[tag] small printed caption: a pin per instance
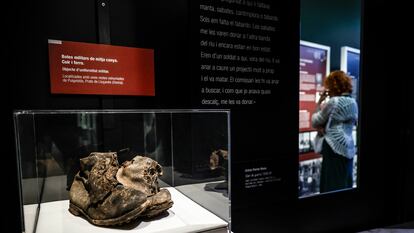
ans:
(258, 177)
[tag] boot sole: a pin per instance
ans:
(156, 210)
(126, 218)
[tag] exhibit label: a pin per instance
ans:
(97, 69)
(314, 66)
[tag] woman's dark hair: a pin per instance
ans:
(338, 82)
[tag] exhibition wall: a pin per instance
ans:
(173, 31)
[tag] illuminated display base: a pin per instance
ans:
(184, 216)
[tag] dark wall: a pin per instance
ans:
(332, 23)
(398, 93)
(36, 23)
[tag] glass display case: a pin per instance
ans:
(72, 166)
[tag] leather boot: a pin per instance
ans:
(99, 197)
(141, 173)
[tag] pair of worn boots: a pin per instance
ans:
(107, 193)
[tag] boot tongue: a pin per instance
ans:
(101, 178)
(87, 163)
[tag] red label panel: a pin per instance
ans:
(97, 69)
(313, 63)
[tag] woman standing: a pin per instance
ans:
(336, 119)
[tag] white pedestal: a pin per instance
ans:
(184, 216)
